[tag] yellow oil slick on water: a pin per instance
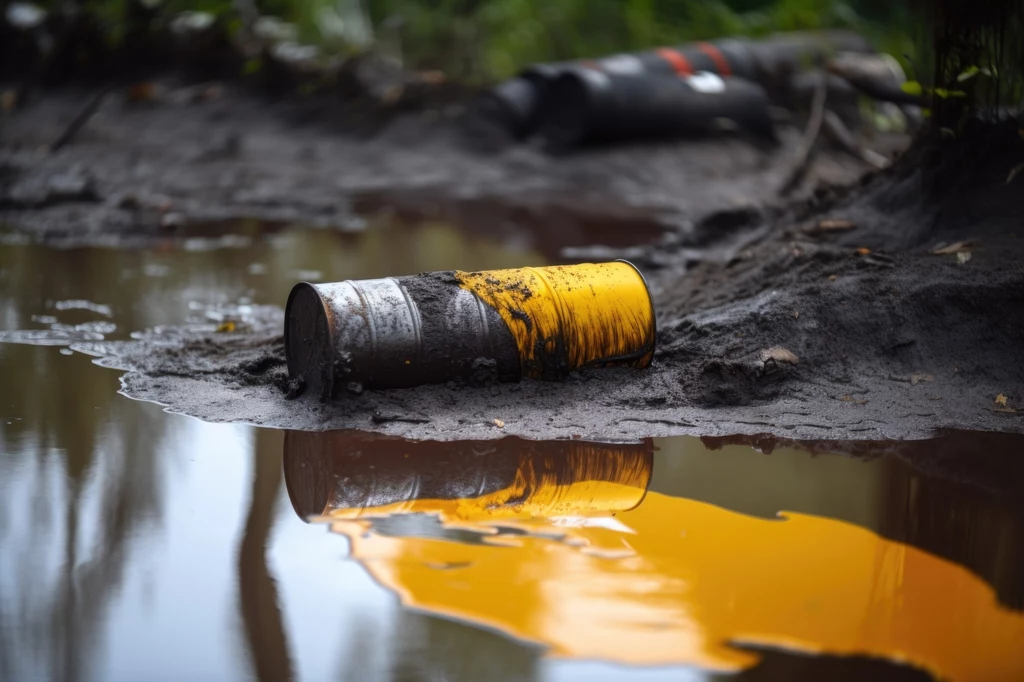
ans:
(690, 577)
(567, 317)
(502, 506)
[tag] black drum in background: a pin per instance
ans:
(516, 104)
(585, 106)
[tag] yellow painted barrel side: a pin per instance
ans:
(567, 317)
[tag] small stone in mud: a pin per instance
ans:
(294, 388)
(779, 354)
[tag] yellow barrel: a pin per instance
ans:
(442, 326)
(568, 317)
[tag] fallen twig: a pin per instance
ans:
(805, 150)
(80, 120)
(871, 75)
(841, 135)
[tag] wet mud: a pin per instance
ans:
(888, 349)
(145, 169)
(865, 306)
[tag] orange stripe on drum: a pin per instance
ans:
(721, 63)
(677, 60)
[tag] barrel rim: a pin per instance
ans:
(650, 300)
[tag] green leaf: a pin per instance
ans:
(252, 66)
(968, 74)
(912, 88)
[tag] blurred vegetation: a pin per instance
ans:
(485, 40)
(964, 55)
(488, 39)
(977, 59)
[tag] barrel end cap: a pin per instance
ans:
(308, 344)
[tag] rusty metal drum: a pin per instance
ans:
(499, 325)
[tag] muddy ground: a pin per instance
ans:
(824, 315)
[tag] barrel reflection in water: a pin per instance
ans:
(565, 549)
(353, 474)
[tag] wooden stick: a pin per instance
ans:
(805, 150)
(841, 135)
(80, 120)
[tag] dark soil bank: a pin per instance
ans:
(144, 169)
(828, 317)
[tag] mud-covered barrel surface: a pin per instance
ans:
(357, 474)
(496, 325)
(566, 318)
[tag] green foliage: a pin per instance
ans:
(485, 40)
(490, 39)
(978, 50)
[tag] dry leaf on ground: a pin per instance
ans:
(948, 249)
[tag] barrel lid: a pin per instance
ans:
(308, 346)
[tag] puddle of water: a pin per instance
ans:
(136, 544)
(573, 551)
(552, 229)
